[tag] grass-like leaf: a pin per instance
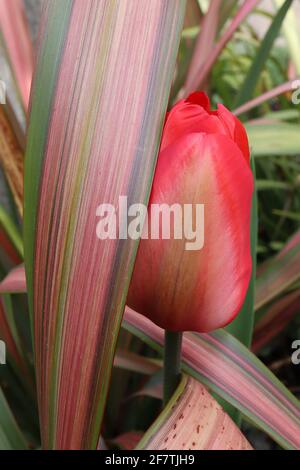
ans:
(228, 368)
(11, 437)
(248, 87)
(201, 74)
(273, 139)
(275, 319)
(99, 97)
(278, 273)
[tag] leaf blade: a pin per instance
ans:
(248, 87)
(106, 115)
(193, 420)
(214, 359)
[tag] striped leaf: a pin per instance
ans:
(275, 319)
(134, 362)
(14, 28)
(99, 97)
(193, 420)
(235, 374)
(201, 74)
(14, 282)
(273, 139)
(221, 362)
(205, 41)
(278, 273)
(268, 95)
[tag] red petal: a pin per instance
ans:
(235, 130)
(187, 117)
(198, 290)
(200, 98)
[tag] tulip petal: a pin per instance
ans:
(190, 116)
(195, 115)
(235, 129)
(200, 98)
(198, 290)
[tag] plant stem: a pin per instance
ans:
(172, 362)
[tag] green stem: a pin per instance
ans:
(172, 363)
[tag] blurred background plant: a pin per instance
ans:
(246, 55)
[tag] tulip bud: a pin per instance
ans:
(204, 159)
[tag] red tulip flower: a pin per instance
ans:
(204, 159)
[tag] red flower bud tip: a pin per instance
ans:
(204, 159)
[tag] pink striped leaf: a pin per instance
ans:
(100, 92)
(269, 95)
(14, 28)
(193, 420)
(14, 282)
(275, 319)
(205, 41)
(202, 72)
(215, 359)
(278, 273)
(135, 363)
(227, 367)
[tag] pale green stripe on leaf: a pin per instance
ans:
(273, 139)
(48, 63)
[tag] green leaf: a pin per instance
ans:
(266, 185)
(287, 214)
(277, 274)
(242, 325)
(273, 139)
(247, 90)
(11, 437)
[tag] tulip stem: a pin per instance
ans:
(172, 363)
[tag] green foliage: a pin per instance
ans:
(252, 63)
